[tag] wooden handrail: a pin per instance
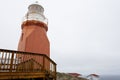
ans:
(19, 52)
(19, 61)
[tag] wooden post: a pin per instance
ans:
(11, 63)
(54, 71)
(2, 53)
(43, 63)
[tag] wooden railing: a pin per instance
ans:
(17, 61)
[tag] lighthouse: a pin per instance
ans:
(34, 31)
(32, 60)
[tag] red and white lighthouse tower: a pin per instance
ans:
(34, 31)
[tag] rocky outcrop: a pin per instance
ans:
(65, 76)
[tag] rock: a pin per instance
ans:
(65, 76)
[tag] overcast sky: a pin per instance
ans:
(84, 34)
